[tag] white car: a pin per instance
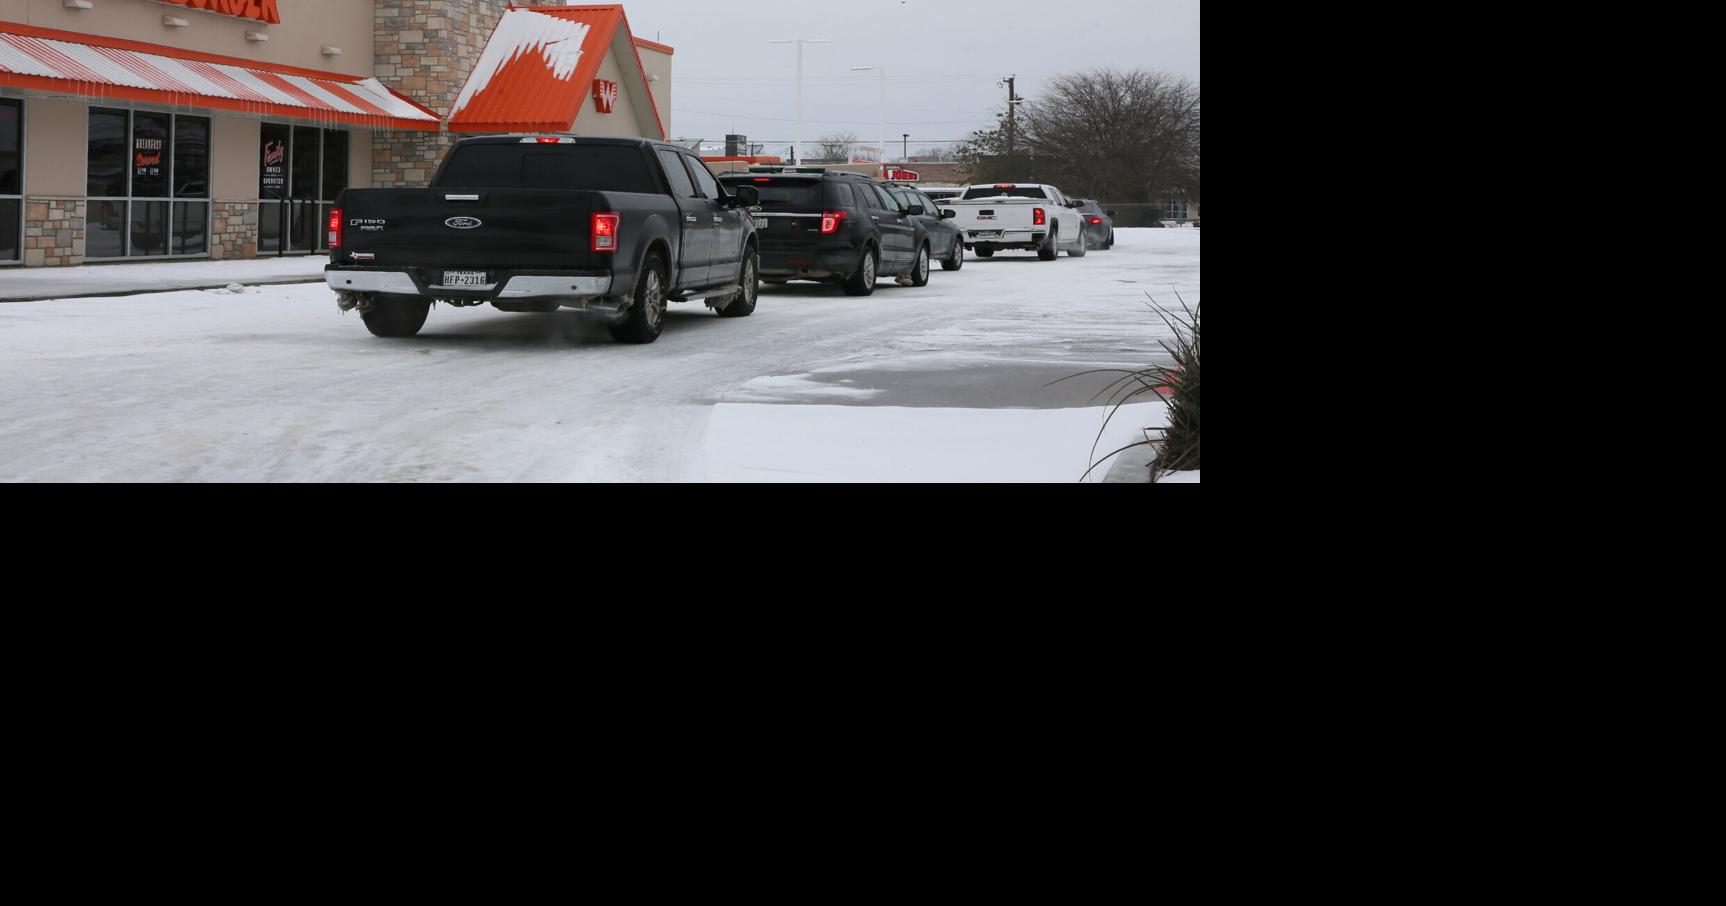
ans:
(1025, 216)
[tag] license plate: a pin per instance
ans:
(986, 234)
(761, 223)
(465, 278)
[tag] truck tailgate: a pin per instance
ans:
(469, 228)
(997, 214)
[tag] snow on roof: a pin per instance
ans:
(525, 33)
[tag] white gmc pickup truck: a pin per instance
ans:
(1026, 216)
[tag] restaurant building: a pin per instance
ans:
(170, 129)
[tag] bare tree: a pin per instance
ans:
(1118, 136)
(940, 155)
(832, 148)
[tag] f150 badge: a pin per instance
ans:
(463, 223)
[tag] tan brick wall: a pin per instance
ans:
(425, 49)
(53, 232)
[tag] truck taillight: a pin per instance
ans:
(605, 232)
(1039, 217)
(830, 221)
(335, 228)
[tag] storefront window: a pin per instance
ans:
(138, 160)
(11, 180)
(303, 169)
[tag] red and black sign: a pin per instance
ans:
(900, 174)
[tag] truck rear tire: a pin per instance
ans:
(862, 280)
(749, 286)
(1051, 249)
(396, 317)
(646, 315)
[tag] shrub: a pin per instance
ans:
(1178, 447)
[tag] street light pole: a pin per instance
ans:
(798, 148)
(905, 152)
(883, 71)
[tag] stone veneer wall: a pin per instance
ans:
(53, 232)
(425, 49)
(233, 230)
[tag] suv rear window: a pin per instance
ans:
(780, 193)
(606, 168)
(987, 192)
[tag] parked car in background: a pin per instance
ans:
(615, 227)
(832, 227)
(1099, 224)
(941, 194)
(946, 242)
(1024, 216)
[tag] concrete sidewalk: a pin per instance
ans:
(19, 284)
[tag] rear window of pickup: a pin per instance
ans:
(604, 168)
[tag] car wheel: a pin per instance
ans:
(958, 258)
(396, 316)
(1084, 246)
(1111, 243)
(748, 288)
(984, 251)
(646, 315)
(1052, 248)
(920, 270)
(862, 280)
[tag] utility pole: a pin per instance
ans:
(797, 148)
(905, 153)
(1013, 100)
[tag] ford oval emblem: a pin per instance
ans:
(463, 223)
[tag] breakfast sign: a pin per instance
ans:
(261, 10)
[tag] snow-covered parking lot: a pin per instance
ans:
(941, 384)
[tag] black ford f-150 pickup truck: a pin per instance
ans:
(617, 227)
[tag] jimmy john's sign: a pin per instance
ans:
(261, 10)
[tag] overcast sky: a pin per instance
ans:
(943, 60)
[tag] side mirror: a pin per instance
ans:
(746, 196)
(1110, 213)
(916, 210)
(949, 215)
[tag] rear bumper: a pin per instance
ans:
(1007, 239)
(813, 264)
(506, 285)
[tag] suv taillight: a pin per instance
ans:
(1039, 217)
(335, 228)
(830, 221)
(605, 232)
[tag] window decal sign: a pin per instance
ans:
(261, 10)
(604, 95)
(275, 168)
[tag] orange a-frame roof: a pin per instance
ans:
(536, 70)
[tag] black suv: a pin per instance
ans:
(833, 227)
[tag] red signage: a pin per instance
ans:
(604, 95)
(261, 10)
(898, 174)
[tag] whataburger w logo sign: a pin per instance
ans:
(604, 95)
(261, 10)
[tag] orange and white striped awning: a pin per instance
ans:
(67, 63)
